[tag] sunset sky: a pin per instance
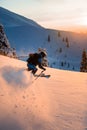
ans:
(55, 14)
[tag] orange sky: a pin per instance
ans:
(68, 15)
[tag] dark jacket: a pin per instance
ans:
(36, 59)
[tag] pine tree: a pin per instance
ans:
(5, 48)
(59, 35)
(62, 63)
(67, 42)
(3, 40)
(60, 50)
(83, 67)
(67, 45)
(48, 38)
(67, 39)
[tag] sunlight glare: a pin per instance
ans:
(84, 21)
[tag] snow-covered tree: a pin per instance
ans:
(45, 61)
(5, 48)
(83, 67)
(3, 40)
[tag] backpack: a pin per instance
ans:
(31, 54)
(33, 58)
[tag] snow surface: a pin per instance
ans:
(57, 103)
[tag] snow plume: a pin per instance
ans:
(10, 124)
(14, 76)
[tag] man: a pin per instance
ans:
(34, 60)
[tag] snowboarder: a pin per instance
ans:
(34, 60)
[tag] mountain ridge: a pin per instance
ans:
(27, 38)
(15, 17)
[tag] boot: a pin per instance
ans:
(34, 71)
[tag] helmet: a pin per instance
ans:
(43, 54)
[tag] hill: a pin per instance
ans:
(9, 18)
(57, 103)
(27, 36)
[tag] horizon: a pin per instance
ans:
(65, 15)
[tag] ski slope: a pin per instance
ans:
(57, 103)
(27, 36)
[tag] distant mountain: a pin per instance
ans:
(64, 48)
(8, 18)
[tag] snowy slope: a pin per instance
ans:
(23, 33)
(8, 18)
(57, 103)
(27, 36)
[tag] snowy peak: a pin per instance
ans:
(9, 18)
